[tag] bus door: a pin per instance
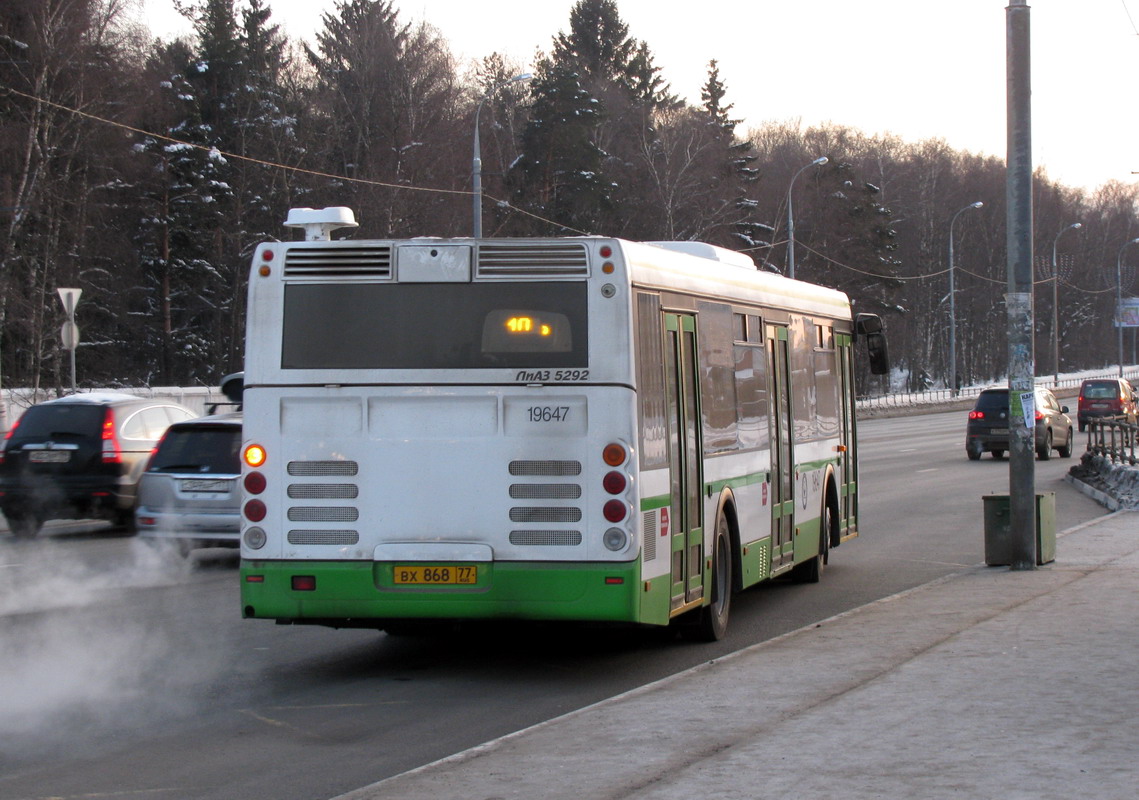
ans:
(685, 464)
(848, 458)
(782, 451)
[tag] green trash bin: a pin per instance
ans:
(998, 536)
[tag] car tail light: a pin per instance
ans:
(976, 415)
(1039, 415)
(7, 436)
(112, 453)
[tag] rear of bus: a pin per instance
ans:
(439, 429)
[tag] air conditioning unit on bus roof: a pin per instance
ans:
(705, 250)
(319, 223)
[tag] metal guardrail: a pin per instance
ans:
(934, 397)
(1114, 438)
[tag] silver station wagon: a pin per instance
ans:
(190, 493)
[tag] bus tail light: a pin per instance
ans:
(614, 482)
(304, 583)
(255, 538)
(615, 539)
(255, 511)
(614, 454)
(254, 455)
(615, 510)
(255, 483)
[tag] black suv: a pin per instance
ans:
(80, 457)
(988, 428)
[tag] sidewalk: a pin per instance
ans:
(984, 684)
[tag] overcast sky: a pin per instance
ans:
(915, 68)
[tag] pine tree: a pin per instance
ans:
(558, 177)
(387, 101)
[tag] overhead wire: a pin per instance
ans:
(499, 202)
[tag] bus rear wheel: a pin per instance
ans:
(711, 621)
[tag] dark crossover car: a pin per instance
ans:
(988, 428)
(190, 496)
(1106, 397)
(80, 457)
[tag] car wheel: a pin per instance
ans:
(974, 451)
(1045, 452)
(1066, 450)
(23, 524)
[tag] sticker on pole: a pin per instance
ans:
(1028, 408)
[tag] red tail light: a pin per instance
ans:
(7, 436)
(1039, 415)
(112, 453)
(976, 415)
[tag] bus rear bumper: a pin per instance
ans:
(364, 594)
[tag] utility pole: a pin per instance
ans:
(1018, 301)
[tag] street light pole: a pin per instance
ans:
(476, 163)
(953, 303)
(818, 162)
(1056, 306)
(1119, 300)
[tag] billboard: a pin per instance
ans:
(1127, 315)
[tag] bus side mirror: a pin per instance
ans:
(232, 386)
(870, 326)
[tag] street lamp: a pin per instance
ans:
(1119, 300)
(1055, 306)
(953, 304)
(476, 164)
(818, 162)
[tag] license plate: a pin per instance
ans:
(999, 431)
(49, 456)
(422, 575)
(200, 485)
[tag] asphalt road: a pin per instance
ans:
(131, 674)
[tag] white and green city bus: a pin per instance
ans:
(538, 429)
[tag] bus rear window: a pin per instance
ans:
(435, 326)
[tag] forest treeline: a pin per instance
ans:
(145, 172)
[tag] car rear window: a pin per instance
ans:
(199, 449)
(992, 401)
(63, 420)
(1101, 389)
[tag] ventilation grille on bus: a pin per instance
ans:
(546, 538)
(545, 491)
(324, 537)
(551, 259)
(650, 530)
(545, 468)
(315, 468)
(323, 491)
(358, 262)
(323, 514)
(553, 514)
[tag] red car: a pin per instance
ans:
(1106, 397)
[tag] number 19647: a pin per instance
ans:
(549, 413)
